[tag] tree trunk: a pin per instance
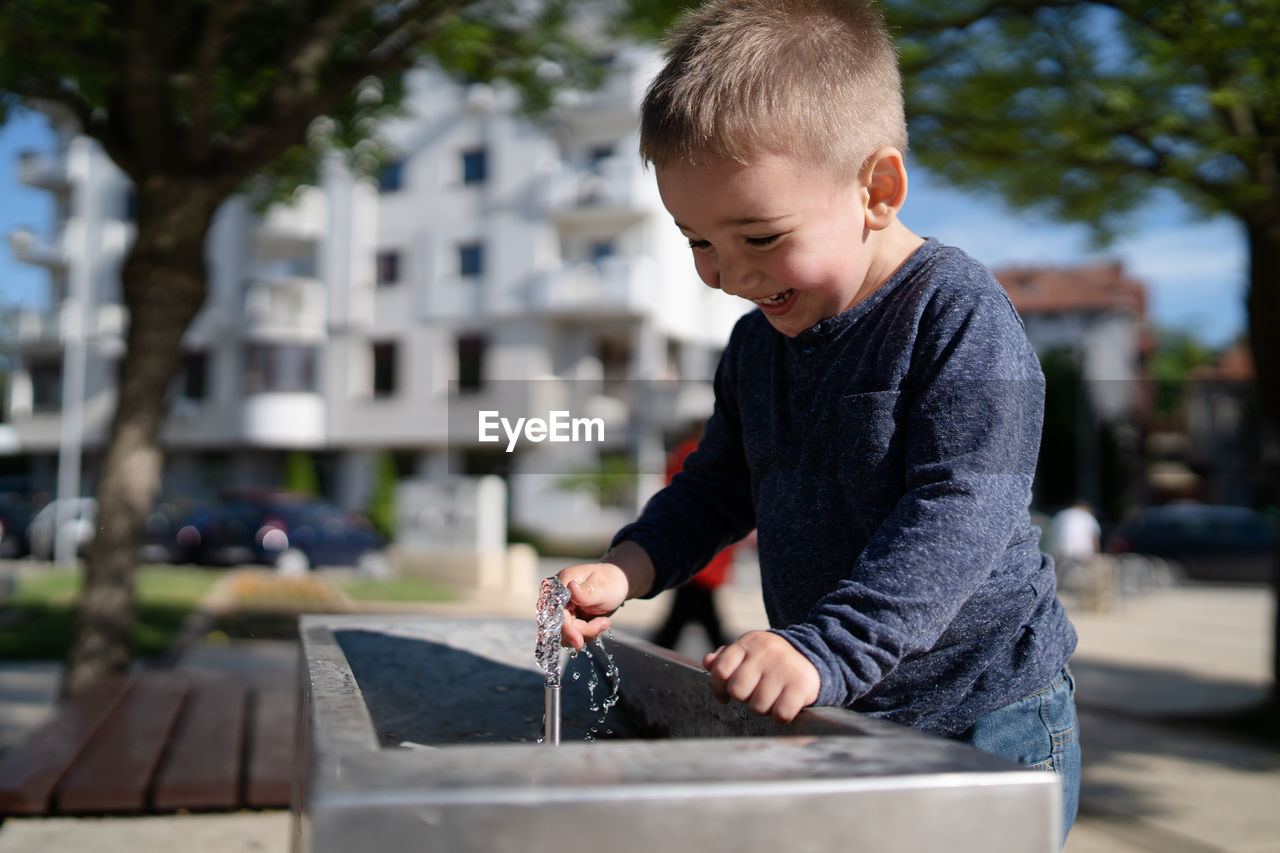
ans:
(1264, 340)
(163, 284)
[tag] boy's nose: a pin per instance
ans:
(736, 277)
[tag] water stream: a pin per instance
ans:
(604, 679)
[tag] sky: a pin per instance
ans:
(1195, 270)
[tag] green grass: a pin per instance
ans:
(396, 589)
(37, 621)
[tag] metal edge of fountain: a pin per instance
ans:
(827, 777)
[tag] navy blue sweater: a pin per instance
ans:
(885, 457)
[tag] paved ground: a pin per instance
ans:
(1149, 784)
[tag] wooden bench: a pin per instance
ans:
(156, 741)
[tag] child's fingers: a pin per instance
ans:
(576, 633)
(787, 706)
(709, 659)
(744, 684)
(727, 661)
(571, 634)
(577, 593)
(596, 627)
(769, 690)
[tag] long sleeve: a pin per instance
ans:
(707, 506)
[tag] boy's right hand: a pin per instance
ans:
(598, 589)
(595, 591)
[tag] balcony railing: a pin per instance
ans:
(609, 189)
(44, 170)
(284, 419)
(303, 219)
(292, 307)
(609, 286)
(35, 328)
(27, 248)
(38, 327)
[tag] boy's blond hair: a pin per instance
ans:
(816, 79)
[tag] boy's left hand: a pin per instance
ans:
(766, 672)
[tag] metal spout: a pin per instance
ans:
(551, 718)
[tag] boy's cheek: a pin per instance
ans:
(708, 273)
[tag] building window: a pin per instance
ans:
(280, 368)
(598, 153)
(475, 166)
(471, 260)
(194, 379)
(283, 269)
(384, 369)
(388, 267)
(471, 352)
(615, 357)
(46, 383)
(391, 177)
(601, 249)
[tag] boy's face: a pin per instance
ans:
(786, 236)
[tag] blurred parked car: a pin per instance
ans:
(1209, 542)
(175, 532)
(75, 524)
(291, 533)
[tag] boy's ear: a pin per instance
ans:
(885, 178)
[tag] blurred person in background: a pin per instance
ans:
(1076, 539)
(695, 602)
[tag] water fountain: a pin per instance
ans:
(422, 733)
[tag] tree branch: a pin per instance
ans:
(143, 88)
(49, 89)
(256, 145)
(203, 95)
(301, 65)
(287, 111)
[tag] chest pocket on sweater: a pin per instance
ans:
(869, 453)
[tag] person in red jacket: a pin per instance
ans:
(695, 601)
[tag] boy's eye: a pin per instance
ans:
(698, 244)
(762, 241)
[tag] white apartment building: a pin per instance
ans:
(495, 255)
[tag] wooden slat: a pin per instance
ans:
(30, 770)
(271, 749)
(114, 771)
(201, 768)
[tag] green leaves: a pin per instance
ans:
(1082, 109)
(499, 40)
(225, 89)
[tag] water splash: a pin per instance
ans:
(551, 601)
(606, 672)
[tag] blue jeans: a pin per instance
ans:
(1038, 731)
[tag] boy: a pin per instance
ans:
(877, 418)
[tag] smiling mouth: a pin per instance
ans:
(776, 299)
